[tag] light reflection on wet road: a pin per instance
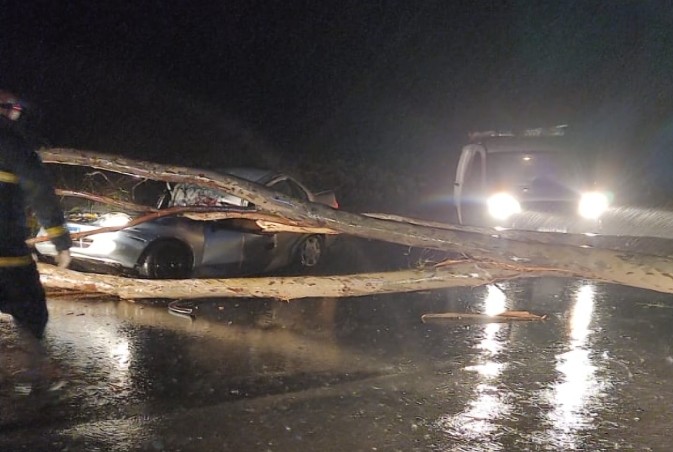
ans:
(480, 417)
(570, 399)
(358, 374)
(577, 389)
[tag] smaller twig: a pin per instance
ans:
(105, 200)
(507, 316)
(656, 305)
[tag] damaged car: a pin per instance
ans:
(177, 247)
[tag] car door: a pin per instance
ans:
(223, 247)
(284, 243)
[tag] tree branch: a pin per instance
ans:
(290, 287)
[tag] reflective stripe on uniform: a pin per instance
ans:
(55, 231)
(16, 261)
(8, 178)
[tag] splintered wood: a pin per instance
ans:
(53, 293)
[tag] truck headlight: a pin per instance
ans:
(501, 206)
(593, 204)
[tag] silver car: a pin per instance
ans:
(178, 247)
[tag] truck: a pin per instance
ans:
(536, 179)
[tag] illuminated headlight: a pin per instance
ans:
(112, 220)
(593, 205)
(501, 206)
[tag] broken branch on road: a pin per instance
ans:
(506, 316)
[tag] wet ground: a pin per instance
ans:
(351, 374)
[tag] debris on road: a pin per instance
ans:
(507, 316)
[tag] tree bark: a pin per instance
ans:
(289, 287)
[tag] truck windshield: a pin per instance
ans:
(505, 169)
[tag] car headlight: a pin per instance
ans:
(112, 220)
(103, 243)
(593, 204)
(501, 206)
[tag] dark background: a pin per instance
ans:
(373, 98)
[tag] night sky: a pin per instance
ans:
(391, 83)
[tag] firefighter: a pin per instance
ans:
(24, 182)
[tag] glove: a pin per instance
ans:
(63, 258)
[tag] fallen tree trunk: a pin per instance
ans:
(274, 223)
(289, 287)
(616, 266)
(655, 246)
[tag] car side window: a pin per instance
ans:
(283, 187)
(297, 190)
(290, 188)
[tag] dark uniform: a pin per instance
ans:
(24, 181)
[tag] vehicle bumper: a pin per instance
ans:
(112, 250)
(547, 222)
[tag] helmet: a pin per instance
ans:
(11, 106)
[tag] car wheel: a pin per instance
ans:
(167, 260)
(310, 251)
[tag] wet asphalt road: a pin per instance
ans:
(351, 374)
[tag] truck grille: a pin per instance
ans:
(553, 207)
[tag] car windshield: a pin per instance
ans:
(527, 168)
(195, 195)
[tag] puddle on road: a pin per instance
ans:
(364, 373)
(129, 361)
(560, 385)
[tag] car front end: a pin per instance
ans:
(118, 250)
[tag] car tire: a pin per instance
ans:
(168, 259)
(310, 251)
